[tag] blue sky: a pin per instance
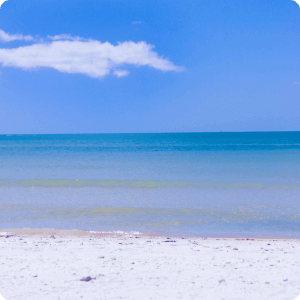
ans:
(93, 66)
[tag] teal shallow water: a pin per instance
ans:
(185, 183)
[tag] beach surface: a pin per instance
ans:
(61, 265)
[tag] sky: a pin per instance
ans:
(110, 66)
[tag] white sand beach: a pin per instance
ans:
(133, 266)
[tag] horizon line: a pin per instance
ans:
(169, 132)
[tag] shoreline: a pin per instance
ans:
(45, 232)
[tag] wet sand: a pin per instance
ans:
(64, 265)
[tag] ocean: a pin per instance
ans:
(177, 184)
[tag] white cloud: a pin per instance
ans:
(65, 37)
(89, 57)
(297, 1)
(5, 37)
(121, 73)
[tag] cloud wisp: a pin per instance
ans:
(5, 37)
(297, 1)
(88, 57)
(65, 37)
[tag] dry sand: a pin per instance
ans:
(132, 266)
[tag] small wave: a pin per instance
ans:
(78, 183)
(225, 213)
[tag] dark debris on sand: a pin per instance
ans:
(89, 278)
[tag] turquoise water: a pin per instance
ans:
(202, 184)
